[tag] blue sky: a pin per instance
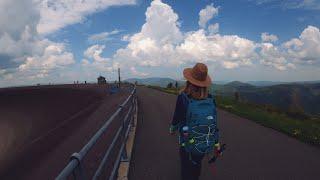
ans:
(62, 41)
(244, 18)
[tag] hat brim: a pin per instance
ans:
(187, 73)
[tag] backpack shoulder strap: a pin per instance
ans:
(210, 96)
(188, 110)
(211, 99)
(186, 96)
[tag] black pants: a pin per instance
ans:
(190, 165)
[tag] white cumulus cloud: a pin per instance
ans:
(154, 44)
(2, 72)
(213, 28)
(270, 55)
(206, 14)
(217, 48)
(25, 53)
(94, 52)
(103, 36)
(160, 43)
(125, 38)
(54, 55)
(166, 45)
(306, 48)
(94, 61)
(56, 14)
(297, 51)
(137, 73)
(265, 37)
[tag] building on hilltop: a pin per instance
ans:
(102, 80)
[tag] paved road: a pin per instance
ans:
(254, 152)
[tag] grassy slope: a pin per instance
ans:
(307, 130)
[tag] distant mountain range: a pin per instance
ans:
(163, 82)
(297, 96)
(155, 81)
(271, 83)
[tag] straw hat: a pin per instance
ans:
(198, 75)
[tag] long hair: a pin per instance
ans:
(196, 92)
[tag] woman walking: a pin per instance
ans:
(195, 119)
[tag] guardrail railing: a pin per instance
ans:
(75, 166)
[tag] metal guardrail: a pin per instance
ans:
(75, 165)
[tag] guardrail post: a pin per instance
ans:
(78, 171)
(124, 154)
(134, 105)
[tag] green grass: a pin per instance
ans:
(167, 90)
(306, 130)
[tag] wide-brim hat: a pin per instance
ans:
(198, 75)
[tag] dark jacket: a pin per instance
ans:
(179, 117)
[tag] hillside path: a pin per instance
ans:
(253, 151)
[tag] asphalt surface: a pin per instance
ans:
(50, 123)
(253, 151)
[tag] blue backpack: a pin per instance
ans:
(199, 134)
